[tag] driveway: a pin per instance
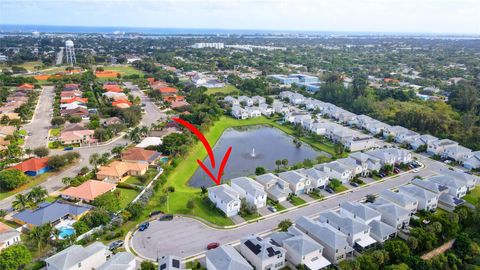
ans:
(40, 123)
(188, 237)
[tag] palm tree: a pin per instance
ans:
(144, 131)
(37, 194)
(285, 163)
(21, 201)
(117, 151)
(278, 163)
(134, 135)
(28, 151)
(94, 160)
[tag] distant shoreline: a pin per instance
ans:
(56, 29)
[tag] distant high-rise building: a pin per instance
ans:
(70, 53)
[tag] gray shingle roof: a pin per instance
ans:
(249, 186)
(262, 248)
(119, 261)
(313, 173)
(302, 244)
(398, 197)
(360, 210)
(324, 232)
(292, 177)
(418, 192)
(74, 254)
(388, 208)
(224, 192)
(49, 212)
(380, 229)
(345, 224)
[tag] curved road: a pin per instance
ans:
(186, 237)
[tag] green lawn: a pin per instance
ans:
(315, 196)
(340, 188)
(134, 181)
(473, 196)
(22, 132)
(127, 196)
(228, 89)
(252, 216)
(179, 177)
(124, 70)
(55, 132)
(295, 200)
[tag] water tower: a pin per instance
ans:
(70, 53)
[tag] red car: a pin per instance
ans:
(213, 245)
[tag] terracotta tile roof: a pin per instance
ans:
(112, 88)
(120, 168)
(179, 104)
(151, 80)
(41, 77)
(136, 153)
(70, 100)
(7, 130)
(89, 190)
(33, 164)
(122, 104)
(76, 135)
(26, 86)
(169, 90)
(173, 98)
(106, 74)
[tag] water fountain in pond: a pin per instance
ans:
(253, 153)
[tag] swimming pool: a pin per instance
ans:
(164, 159)
(65, 232)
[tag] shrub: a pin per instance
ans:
(11, 179)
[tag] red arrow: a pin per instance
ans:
(207, 146)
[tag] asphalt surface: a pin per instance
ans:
(42, 119)
(187, 237)
(40, 124)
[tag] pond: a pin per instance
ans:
(253, 146)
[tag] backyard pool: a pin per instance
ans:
(65, 232)
(253, 146)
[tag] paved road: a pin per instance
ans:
(40, 124)
(54, 183)
(152, 113)
(185, 237)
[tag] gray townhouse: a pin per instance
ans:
(427, 200)
(456, 187)
(470, 180)
(358, 233)
(299, 184)
(372, 163)
(262, 254)
(446, 201)
(250, 190)
(422, 140)
(169, 262)
(392, 214)
(277, 189)
(334, 242)
(226, 258)
(358, 168)
(336, 170)
(318, 179)
(404, 200)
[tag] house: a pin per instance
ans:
(25, 87)
(78, 257)
(253, 111)
(276, 188)
(456, 188)
(77, 137)
(170, 263)
(446, 201)
(261, 253)
(473, 162)
(336, 170)
(51, 213)
(379, 230)
(404, 200)
(253, 192)
(355, 166)
(469, 180)
(258, 100)
(391, 156)
(167, 91)
(457, 153)
(392, 214)
(422, 141)
(80, 100)
(226, 258)
(358, 142)
(296, 99)
(70, 107)
(245, 100)
(392, 131)
(33, 166)
(438, 147)
(111, 121)
(297, 117)
(427, 200)
(71, 87)
(76, 110)
(137, 154)
(112, 88)
(122, 104)
(318, 179)
(301, 249)
(265, 109)
(358, 233)
(225, 198)
(372, 163)
(149, 141)
(334, 242)
(280, 108)
(299, 184)
(405, 136)
(87, 191)
(179, 104)
(231, 100)
(70, 94)
(117, 171)
(121, 260)
(240, 113)
(8, 236)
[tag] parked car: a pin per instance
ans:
(116, 244)
(416, 170)
(329, 190)
(68, 148)
(144, 226)
(154, 213)
(271, 208)
(167, 217)
(213, 245)
(396, 170)
(382, 175)
(354, 184)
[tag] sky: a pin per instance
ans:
(405, 16)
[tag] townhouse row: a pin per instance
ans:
(279, 187)
(335, 235)
(444, 148)
(245, 107)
